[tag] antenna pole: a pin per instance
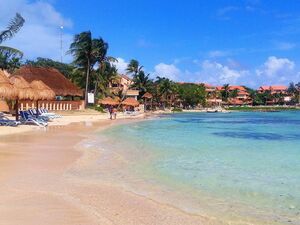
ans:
(61, 44)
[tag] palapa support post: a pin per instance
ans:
(37, 107)
(17, 109)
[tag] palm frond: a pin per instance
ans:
(13, 27)
(111, 59)
(10, 51)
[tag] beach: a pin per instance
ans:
(92, 170)
(36, 187)
(190, 117)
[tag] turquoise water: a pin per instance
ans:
(237, 164)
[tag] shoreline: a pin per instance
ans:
(36, 190)
(52, 173)
(67, 119)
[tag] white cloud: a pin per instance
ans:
(285, 45)
(121, 65)
(276, 67)
(40, 35)
(273, 71)
(218, 73)
(218, 53)
(167, 70)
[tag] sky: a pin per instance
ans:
(245, 42)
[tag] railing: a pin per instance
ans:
(52, 105)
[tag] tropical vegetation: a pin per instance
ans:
(93, 70)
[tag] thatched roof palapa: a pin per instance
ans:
(131, 102)
(7, 90)
(4, 106)
(109, 101)
(24, 90)
(52, 78)
(147, 95)
(43, 91)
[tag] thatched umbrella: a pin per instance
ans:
(118, 99)
(43, 91)
(108, 101)
(25, 91)
(7, 90)
(131, 102)
(148, 96)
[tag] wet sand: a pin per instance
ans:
(36, 189)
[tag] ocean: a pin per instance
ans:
(241, 167)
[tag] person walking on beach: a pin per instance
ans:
(110, 110)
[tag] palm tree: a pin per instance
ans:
(298, 88)
(267, 95)
(134, 67)
(87, 52)
(234, 93)
(294, 90)
(214, 95)
(106, 71)
(10, 55)
(141, 82)
(225, 92)
(82, 51)
(105, 75)
(165, 88)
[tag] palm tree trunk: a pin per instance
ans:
(96, 88)
(151, 104)
(87, 84)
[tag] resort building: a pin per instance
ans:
(279, 94)
(219, 88)
(64, 89)
(213, 95)
(132, 94)
(209, 88)
(274, 89)
(122, 85)
(242, 96)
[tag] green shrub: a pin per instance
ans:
(98, 108)
(260, 108)
(176, 110)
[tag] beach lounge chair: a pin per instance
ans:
(34, 113)
(48, 115)
(4, 121)
(45, 112)
(26, 118)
